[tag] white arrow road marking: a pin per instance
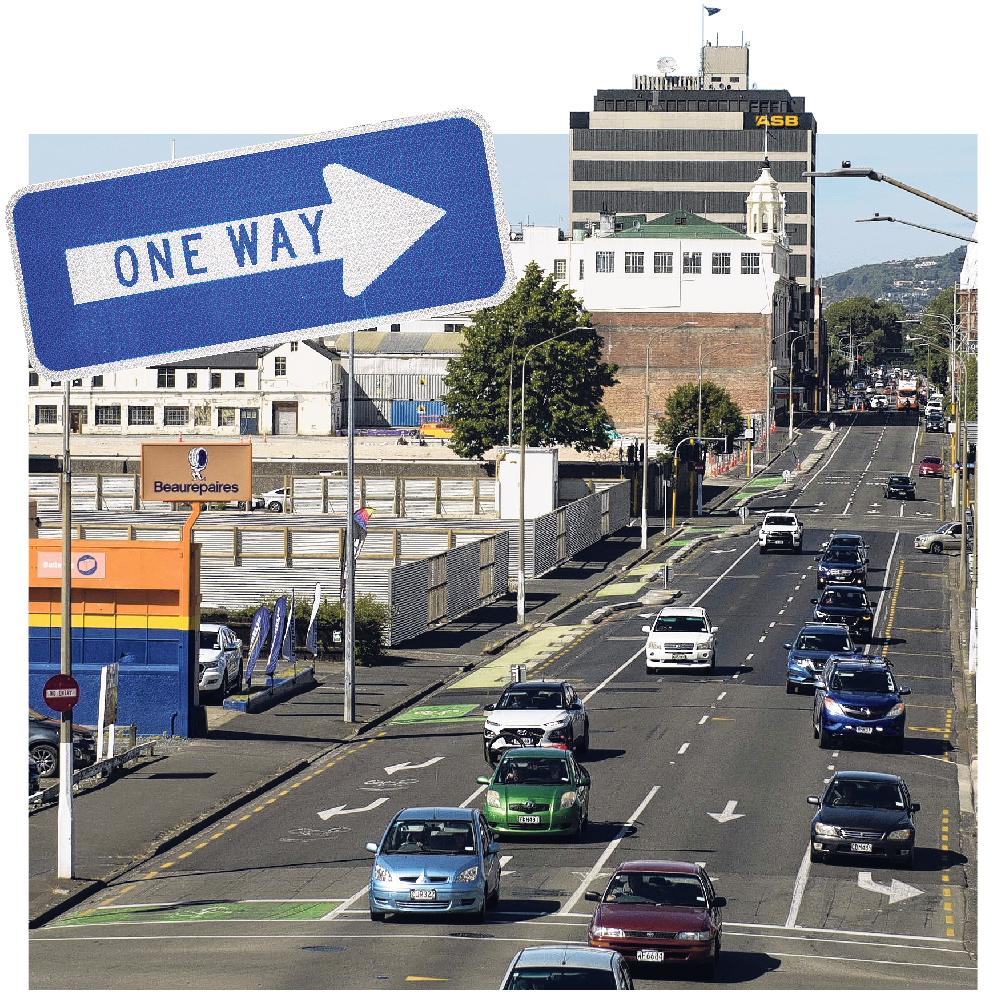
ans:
(405, 765)
(728, 813)
(722, 551)
(896, 891)
(335, 810)
(503, 860)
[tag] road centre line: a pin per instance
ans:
(613, 674)
(607, 853)
(798, 889)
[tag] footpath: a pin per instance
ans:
(177, 787)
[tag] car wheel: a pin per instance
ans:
(47, 757)
(896, 745)
(487, 755)
(762, 549)
(376, 915)
(908, 862)
(799, 547)
(823, 739)
(713, 666)
(791, 688)
(224, 685)
(816, 856)
(275, 506)
(937, 548)
(708, 970)
(586, 742)
(495, 899)
(481, 914)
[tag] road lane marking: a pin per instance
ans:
(799, 886)
(683, 748)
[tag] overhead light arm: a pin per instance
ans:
(930, 229)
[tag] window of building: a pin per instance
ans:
(107, 416)
(750, 264)
(293, 346)
(634, 262)
(46, 414)
(56, 384)
(96, 382)
(581, 272)
(226, 417)
(604, 262)
(77, 417)
(560, 270)
(452, 328)
(662, 262)
(691, 262)
(77, 382)
(720, 264)
(175, 416)
(32, 378)
(202, 415)
(214, 380)
(140, 415)
(166, 378)
(281, 366)
(238, 380)
(396, 328)
(191, 380)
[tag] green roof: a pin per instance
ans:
(676, 226)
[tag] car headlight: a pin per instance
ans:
(897, 710)
(381, 874)
(602, 931)
(803, 662)
(866, 618)
(467, 875)
(568, 799)
(902, 834)
(694, 936)
(827, 830)
(491, 728)
(705, 644)
(494, 799)
(834, 706)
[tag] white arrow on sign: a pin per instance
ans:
(406, 765)
(728, 813)
(896, 891)
(334, 810)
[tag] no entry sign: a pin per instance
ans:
(61, 693)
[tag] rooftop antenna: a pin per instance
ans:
(173, 148)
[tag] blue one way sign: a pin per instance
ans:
(306, 238)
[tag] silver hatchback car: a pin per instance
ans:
(947, 538)
(567, 967)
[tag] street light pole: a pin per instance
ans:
(799, 337)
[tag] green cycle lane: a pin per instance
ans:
(232, 910)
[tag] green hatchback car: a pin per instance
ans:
(537, 790)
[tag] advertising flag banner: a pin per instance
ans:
(277, 633)
(259, 633)
(288, 644)
(311, 631)
(359, 534)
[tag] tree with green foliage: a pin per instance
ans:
(932, 350)
(874, 329)
(565, 379)
(720, 415)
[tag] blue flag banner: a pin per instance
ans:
(277, 633)
(311, 631)
(259, 633)
(288, 644)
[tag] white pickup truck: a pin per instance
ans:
(681, 637)
(781, 530)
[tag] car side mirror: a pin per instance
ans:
(813, 601)
(719, 902)
(714, 629)
(489, 708)
(915, 808)
(592, 895)
(493, 848)
(819, 683)
(787, 646)
(645, 629)
(484, 779)
(814, 800)
(582, 781)
(904, 689)
(371, 846)
(858, 649)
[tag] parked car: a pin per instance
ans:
(43, 739)
(858, 697)
(537, 791)
(930, 465)
(813, 645)
(533, 713)
(899, 485)
(781, 530)
(681, 637)
(432, 860)
(864, 815)
(276, 500)
(221, 659)
(946, 538)
(567, 968)
(659, 912)
(33, 775)
(847, 605)
(842, 565)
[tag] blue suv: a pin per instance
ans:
(814, 644)
(858, 697)
(842, 565)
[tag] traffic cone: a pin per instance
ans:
(773, 428)
(180, 436)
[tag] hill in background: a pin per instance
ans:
(910, 284)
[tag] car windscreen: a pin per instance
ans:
(553, 978)
(430, 837)
(842, 554)
(862, 681)
(770, 520)
(531, 771)
(829, 642)
(865, 795)
(663, 889)
(845, 598)
(531, 698)
(209, 640)
(678, 624)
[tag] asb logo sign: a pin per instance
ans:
(256, 246)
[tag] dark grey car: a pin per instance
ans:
(44, 736)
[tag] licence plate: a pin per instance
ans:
(422, 894)
(857, 846)
(863, 729)
(525, 818)
(679, 656)
(650, 956)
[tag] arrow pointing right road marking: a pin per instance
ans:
(896, 891)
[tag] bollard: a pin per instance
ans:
(132, 736)
(518, 673)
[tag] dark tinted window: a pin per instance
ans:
(862, 681)
(830, 642)
(568, 978)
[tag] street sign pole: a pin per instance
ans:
(66, 824)
(348, 541)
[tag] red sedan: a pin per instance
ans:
(930, 465)
(659, 912)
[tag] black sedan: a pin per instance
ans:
(842, 565)
(900, 486)
(867, 815)
(848, 605)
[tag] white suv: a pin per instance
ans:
(221, 659)
(781, 530)
(681, 637)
